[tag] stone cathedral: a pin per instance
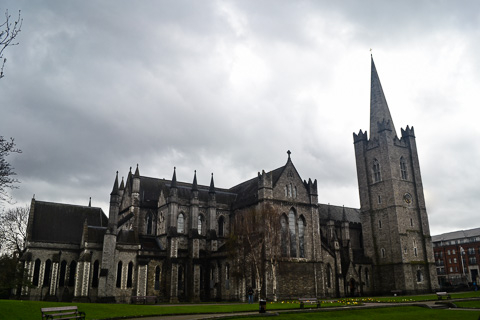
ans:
(175, 241)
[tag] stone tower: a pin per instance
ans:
(393, 213)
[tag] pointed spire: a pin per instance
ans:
(122, 185)
(194, 185)
(174, 178)
(137, 172)
(289, 153)
(212, 186)
(379, 112)
(115, 186)
(90, 202)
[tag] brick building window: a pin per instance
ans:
(382, 252)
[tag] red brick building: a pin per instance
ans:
(457, 256)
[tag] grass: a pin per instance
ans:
(393, 313)
(14, 309)
(468, 304)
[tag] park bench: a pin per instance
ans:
(396, 292)
(144, 299)
(441, 295)
(60, 313)
(309, 301)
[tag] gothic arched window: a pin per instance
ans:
(180, 223)
(329, 276)
(301, 236)
(221, 226)
(403, 168)
(157, 278)
(367, 278)
(293, 233)
(200, 223)
(284, 235)
(46, 274)
(419, 276)
(72, 273)
(130, 275)
(376, 171)
(149, 221)
(119, 274)
(63, 271)
(36, 272)
(96, 267)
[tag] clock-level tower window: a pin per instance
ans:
(376, 171)
(403, 168)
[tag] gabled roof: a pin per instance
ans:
(338, 213)
(150, 190)
(63, 223)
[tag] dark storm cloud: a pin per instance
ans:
(230, 86)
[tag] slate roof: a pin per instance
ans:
(150, 190)
(460, 234)
(336, 213)
(63, 223)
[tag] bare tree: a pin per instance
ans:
(7, 179)
(13, 230)
(8, 32)
(255, 245)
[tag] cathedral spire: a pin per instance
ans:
(379, 112)
(115, 186)
(174, 178)
(212, 186)
(137, 172)
(194, 185)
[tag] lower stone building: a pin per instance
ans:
(184, 241)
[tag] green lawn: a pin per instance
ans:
(394, 313)
(14, 309)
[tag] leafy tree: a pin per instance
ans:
(8, 32)
(254, 246)
(7, 179)
(12, 276)
(13, 230)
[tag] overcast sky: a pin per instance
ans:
(229, 86)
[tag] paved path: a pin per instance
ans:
(430, 304)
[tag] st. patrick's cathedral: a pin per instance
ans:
(184, 241)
